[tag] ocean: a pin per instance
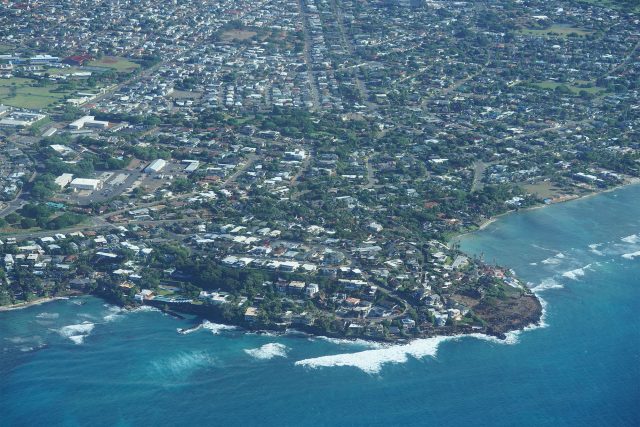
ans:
(80, 362)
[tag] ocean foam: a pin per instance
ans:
(182, 363)
(371, 361)
(593, 248)
(575, 274)
(216, 328)
(268, 351)
(631, 255)
(114, 313)
(352, 342)
(143, 309)
(77, 339)
(548, 283)
(634, 238)
(48, 316)
(76, 333)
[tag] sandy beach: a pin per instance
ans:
(22, 305)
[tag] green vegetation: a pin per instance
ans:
(27, 93)
(42, 216)
(623, 5)
(556, 30)
(575, 89)
(121, 65)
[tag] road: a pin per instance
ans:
(101, 221)
(348, 46)
(478, 171)
(315, 96)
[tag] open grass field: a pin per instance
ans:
(544, 189)
(237, 35)
(121, 65)
(574, 87)
(6, 48)
(24, 93)
(69, 70)
(556, 30)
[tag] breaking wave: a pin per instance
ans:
(575, 274)
(554, 260)
(48, 316)
(634, 238)
(631, 255)
(371, 361)
(548, 283)
(114, 313)
(77, 333)
(352, 342)
(593, 248)
(268, 351)
(216, 328)
(143, 309)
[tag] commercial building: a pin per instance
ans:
(155, 166)
(63, 180)
(44, 59)
(86, 184)
(192, 165)
(21, 119)
(88, 121)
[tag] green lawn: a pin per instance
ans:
(121, 65)
(6, 49)
(573, 87)
(556, 30)
(24, 93)
(56, 71)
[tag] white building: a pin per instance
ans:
(64, 180)
(89, 121)
(21, 119)
(311, 290)
(86, 184)
(155, 166)
(192, 165)
(8, 261)
(297, 154)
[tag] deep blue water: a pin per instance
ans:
(583, 368)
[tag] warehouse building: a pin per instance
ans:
(192, 165)
(86, 184)
(155, 166)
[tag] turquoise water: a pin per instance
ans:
(78, 362)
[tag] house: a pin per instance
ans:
(8, 262)
(312, 290)
(296, 287)
(408, 323)
(251, 314)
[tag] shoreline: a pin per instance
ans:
(27, 304)
(500, 334)
(564, 199)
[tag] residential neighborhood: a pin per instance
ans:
(303, 164)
